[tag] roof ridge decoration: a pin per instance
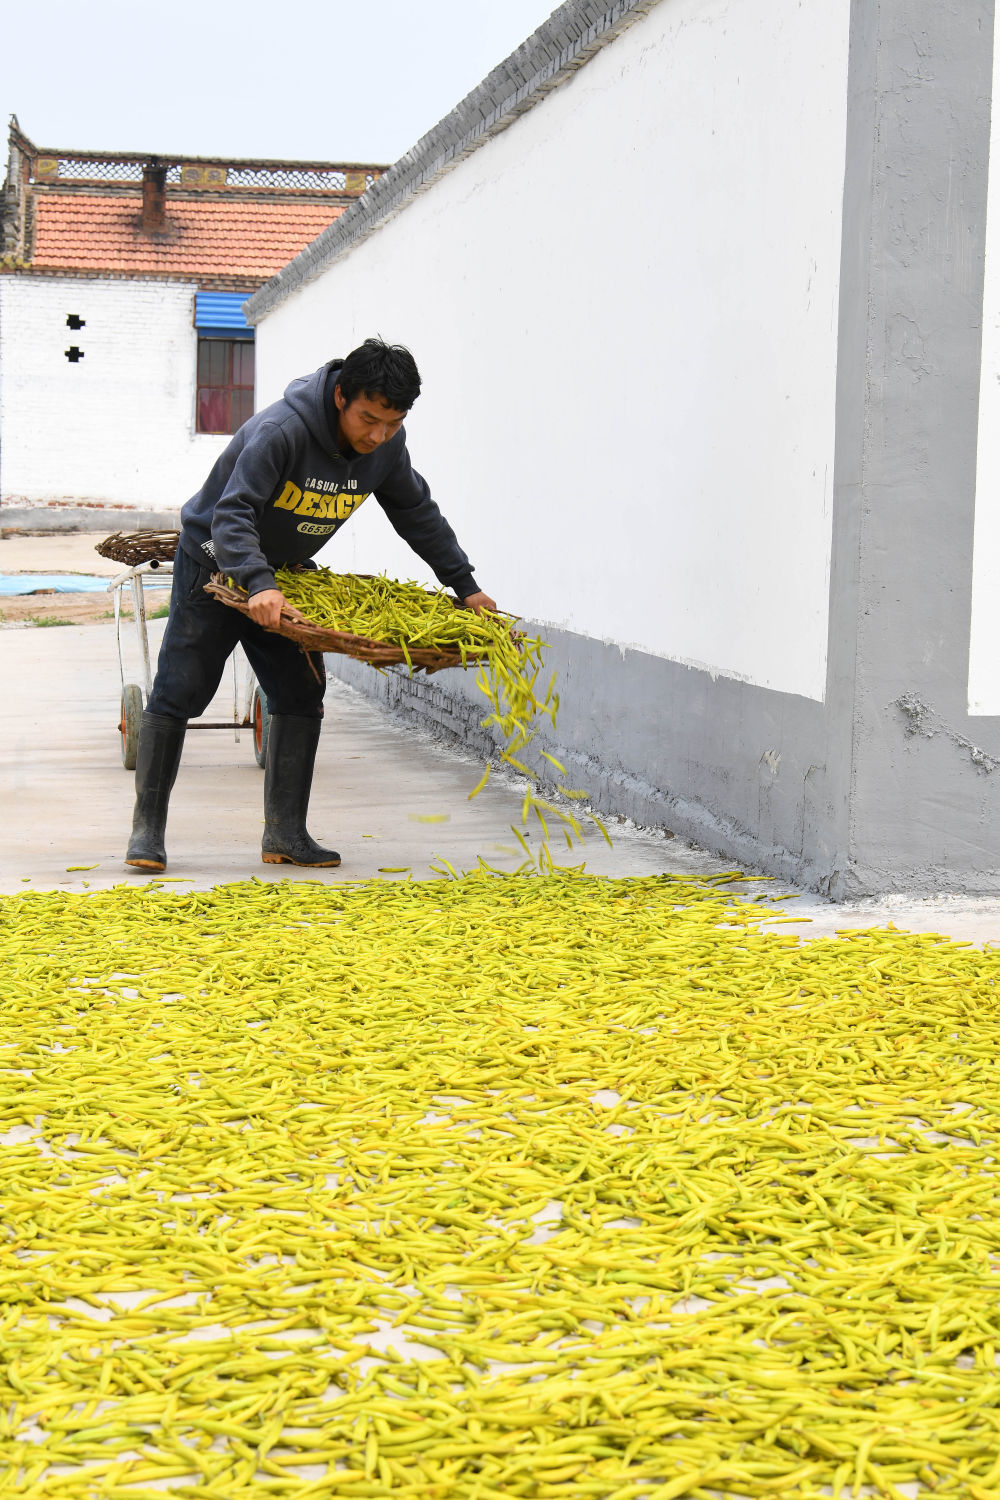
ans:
(566, 41)
(35, 172)
(46, 190)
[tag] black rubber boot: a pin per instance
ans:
(161, 740)
(291, 756)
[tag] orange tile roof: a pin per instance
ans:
(210, 238)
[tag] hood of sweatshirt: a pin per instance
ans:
(306, 395)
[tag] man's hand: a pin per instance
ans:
(265, 608)
(479, 602)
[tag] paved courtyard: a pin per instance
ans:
(385, 795)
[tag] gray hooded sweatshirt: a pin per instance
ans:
(283, 487)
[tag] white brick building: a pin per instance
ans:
(125, 359)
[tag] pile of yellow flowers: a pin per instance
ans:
(545, 1187)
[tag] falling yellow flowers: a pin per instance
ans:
(508, 668)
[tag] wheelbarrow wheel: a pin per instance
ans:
(128, 726)
(260, 718)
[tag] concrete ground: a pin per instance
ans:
(72, 552)
(385, 795)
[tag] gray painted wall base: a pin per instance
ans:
(622, 713)
(645, 737)
(40, 520)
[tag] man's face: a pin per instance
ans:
(367, 422)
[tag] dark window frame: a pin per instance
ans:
(224, 396)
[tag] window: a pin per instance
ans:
(225, 383)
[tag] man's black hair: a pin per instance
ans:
(378, 369)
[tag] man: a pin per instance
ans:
(288, 481)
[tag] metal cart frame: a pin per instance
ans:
(249, 705)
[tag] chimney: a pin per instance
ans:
(154, 197)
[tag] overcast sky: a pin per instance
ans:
(320, 80)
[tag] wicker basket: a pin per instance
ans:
(319, 638)
(135, 547)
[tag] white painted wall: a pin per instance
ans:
(118, 426)
(624, 308)
(984, 666)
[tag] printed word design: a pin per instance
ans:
(311, 503)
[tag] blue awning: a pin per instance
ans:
(222, 313)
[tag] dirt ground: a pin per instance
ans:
(62, 553)
(26, 610)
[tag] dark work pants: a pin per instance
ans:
(198, 641)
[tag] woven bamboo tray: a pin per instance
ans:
(135, 547)
(319, 638)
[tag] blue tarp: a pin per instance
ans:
(62, 583)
